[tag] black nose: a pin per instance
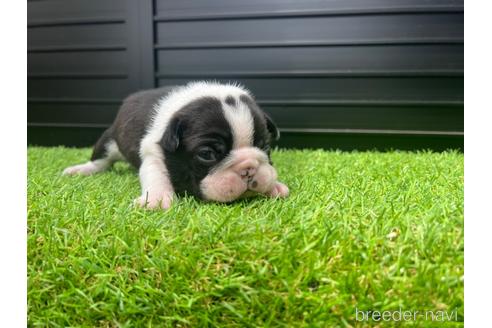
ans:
(254, 184)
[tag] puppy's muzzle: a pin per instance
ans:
(247, 169)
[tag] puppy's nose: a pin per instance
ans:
(247, 168)
(248, 172)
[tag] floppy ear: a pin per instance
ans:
(172, 136)
(272, 127)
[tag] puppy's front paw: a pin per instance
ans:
(279, 190)
(155, 200)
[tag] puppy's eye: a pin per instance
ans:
(206, 155)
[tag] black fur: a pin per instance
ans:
(131, 122)
(231, 101)
(99, 150)
(171, 139)
(201, 124)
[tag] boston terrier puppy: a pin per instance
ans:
(206, 139)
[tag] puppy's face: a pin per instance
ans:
(219, 149)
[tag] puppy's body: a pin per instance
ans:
(207, 139)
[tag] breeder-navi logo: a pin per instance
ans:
(406, 315)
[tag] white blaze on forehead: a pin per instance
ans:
(180, 97)
(241, 121)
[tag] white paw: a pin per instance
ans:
(155, 200)
(84, 169)
(279, 190)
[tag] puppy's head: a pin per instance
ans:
(217, 147)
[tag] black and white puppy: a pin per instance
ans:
(207, 139)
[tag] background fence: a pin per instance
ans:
(348, 74)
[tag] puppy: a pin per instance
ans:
(206, 139)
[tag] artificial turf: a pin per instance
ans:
(368, 230)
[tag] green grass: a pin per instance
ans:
(376, 231)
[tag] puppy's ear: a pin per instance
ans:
(172, 136)
(272, 127)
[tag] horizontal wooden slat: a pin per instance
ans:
(418, 118)
(67, 136)
(361, 103)
(370, 141)
(76, 75)
(68, 125)
(96, 101)
(88, 62)
(312, 60)
(288, 44)
(372, 131)
(71, 113)
(76, 21)
(349, 88)
(237, 9)
(341, 30)
(265, 74)
(78, 88)
(55, 12)
(77, 48)
(78, 35)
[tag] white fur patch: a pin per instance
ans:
(279, 190)
(241, 121)
(112, 155)
(246, 168)
(87, 168)
(157, 190)
(181, 96)
(113, 152)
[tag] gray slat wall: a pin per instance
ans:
(348, 74)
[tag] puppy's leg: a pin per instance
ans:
(279, 190)
(105, 153)
(157, 190)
